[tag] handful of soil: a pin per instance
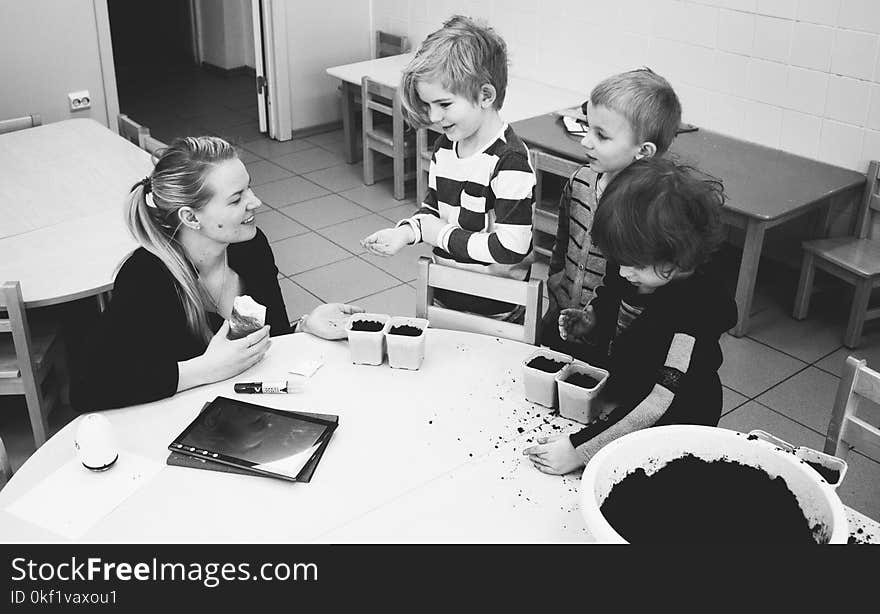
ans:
(406, 330)
(367, 326)
(582, 380)
(693, 500)
(548, 365)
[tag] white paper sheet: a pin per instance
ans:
(73, 499)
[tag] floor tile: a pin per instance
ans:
(869, 349)
(345, 281)
(241, 134)
(349, 234)
(397, 301)
(807, 397)
(399, 212)
(338, 178)
(314, 159)
(809, 339)
(324, 211)
(750, 368)
(731, 400)
(246, 156)
(326, 138)
(267, 148)
(337, 149)
(404, 264)
(218, 119)
(277, 226)
(263, 171)
(376, 197)
(278, 194)
(753, 415)
(297, 300)
(304, 252)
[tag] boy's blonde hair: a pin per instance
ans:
(463, 55)
(646, 100)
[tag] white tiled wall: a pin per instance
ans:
(801, 75)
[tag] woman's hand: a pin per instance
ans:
(223, 358)
(329, 321)
(554, 455)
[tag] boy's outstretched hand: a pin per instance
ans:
(554, 455)
(388, 241)
(574, 324)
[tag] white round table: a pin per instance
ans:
(433, 455)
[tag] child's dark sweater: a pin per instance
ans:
(664, 364)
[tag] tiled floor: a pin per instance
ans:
(781, 377)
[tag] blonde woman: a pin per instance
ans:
(165, 330)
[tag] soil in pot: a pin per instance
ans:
(694, 500)
(542, 363)
(368, 326)
(581, 380)
(831, 476)
(405, 330)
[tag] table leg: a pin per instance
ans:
(748, 274)
(349, 122)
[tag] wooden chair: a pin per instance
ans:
(854, 259)
(848, 427)
(152, 144)
(424, 147)
(20, 123)
(5, 465)
(28, 356)
(131, 130)
(389, 139)
(527, 293)
(545, 215)
(388, 44)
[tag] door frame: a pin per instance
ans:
(276, 69)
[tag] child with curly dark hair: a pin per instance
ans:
(660, 312)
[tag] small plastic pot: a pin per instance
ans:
(367, 346)
(577, 402)
(539, 382)
(406, 351)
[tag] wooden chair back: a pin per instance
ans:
(25, 362)
(388, 44)
(20, 123)
(5, 465)
(389, 137)
(849, 427)
(131, 130)
(867, 224)
(153, 145)
(527, 293)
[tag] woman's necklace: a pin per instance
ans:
(219, 298)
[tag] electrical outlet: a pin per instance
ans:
(79, 100)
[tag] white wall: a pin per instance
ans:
(49, 48)
(226, 32)
(801, 75)
(323, 34)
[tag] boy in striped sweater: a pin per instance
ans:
(663, 305)
(632, 116)
(477, 212)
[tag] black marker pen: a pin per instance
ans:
(279, 387)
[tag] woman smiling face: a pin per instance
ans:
(228, 217)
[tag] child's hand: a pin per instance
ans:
(430, 225)
(388, 241)
(575, 324)
(554, 455)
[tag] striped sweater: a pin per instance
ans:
(576, 265)
(486, 201)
